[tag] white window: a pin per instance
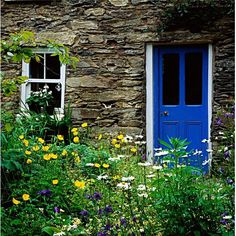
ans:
(48, 71)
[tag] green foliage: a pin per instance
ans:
(96, 184)
(198, 13)
(224, 124)
(18, 47)
(187, 202)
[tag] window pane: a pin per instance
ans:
(54, 87)
(193, 78)
(52, 67)
(36, 68)
(170, 79)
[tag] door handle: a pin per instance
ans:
(165, 113)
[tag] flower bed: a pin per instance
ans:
(103, 185)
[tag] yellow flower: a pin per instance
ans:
(106, 166)
(21, 137)
(16, 202)
(121, 136)
(97, 165)
(74, 130)
(41, 140)
(55, 181)
(114, 141)
(77, 160)
(99, 136)
(28, 161)
(26, 197)
(53, 156)
(27, 152)
(84, 125)
(64, 153)
(116, 177)
(133, 149)
(46, 157)
(117, 145)
(35, 148)
(165, 165)
(79, 184)
(75, 133)
(90, 180)
(45, 148)
(76, 221)
(60, 137)
(26, 142)
(76, 139)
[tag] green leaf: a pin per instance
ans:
(164, 143)
(37, 58)
(50, 230)
(8, 127)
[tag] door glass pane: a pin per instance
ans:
(170, 79)
(193, 78)
(36, 68)
(52, 67)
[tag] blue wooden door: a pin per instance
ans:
(181, 97)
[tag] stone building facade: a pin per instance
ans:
(111, 37)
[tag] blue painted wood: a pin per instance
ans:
(183, 121)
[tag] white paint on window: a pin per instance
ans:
(26, 87)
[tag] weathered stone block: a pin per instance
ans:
(83, 25)
(119, 3)
(94, 11)
(66, 38)
(87, 82)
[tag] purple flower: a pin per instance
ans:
(229, 115)
(108, 226)
(123, 221)
(230, 181)
(84, 213)
(227, 154)
(108, 209)
(101, 233)
(224, 214)
(100, 211)
(134, 219)
(56, 210)
(97, 196)
(46, 192)
(144, 158)
(224, 222)
(219, 121)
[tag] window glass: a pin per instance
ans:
(54, 87)
(52, 67)
(36, 70)
(193, 78)
(170, 75)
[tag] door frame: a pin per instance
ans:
(150, 100)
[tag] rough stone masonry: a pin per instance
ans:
(109, 36)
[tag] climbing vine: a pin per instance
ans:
(194, 13)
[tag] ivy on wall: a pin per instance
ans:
(194, 14)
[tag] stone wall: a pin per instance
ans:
(109, 36)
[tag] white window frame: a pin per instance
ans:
(26, 88)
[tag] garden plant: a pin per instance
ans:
(82, 182)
